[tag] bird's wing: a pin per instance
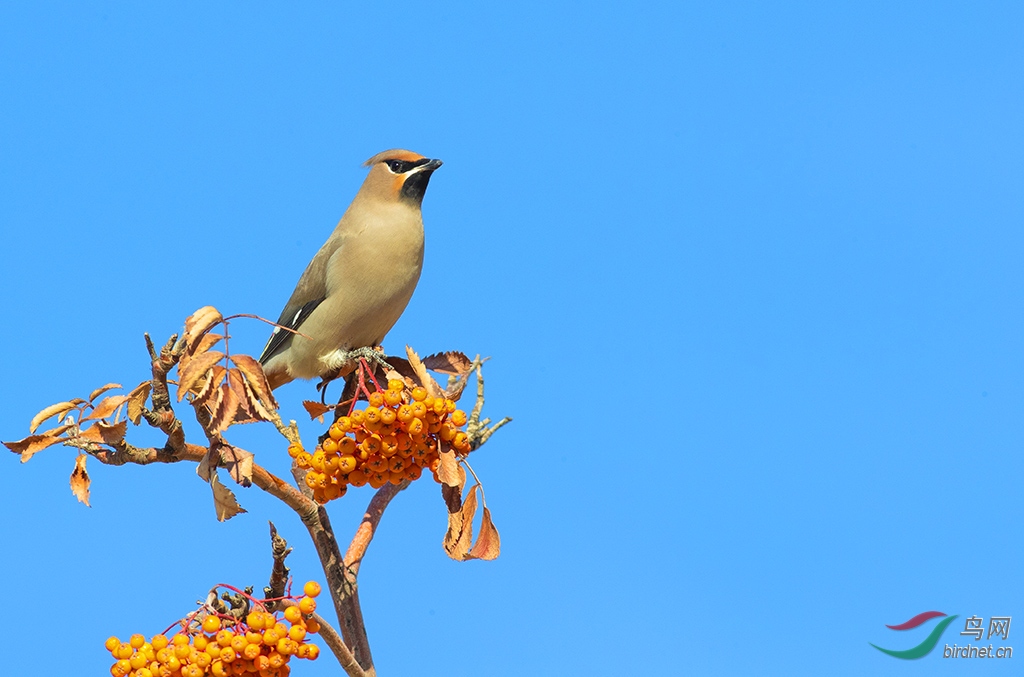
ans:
(309, 293)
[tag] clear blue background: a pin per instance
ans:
(750, 274)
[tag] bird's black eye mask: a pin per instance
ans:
(402, 166)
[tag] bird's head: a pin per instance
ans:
(399, 175)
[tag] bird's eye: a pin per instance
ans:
(396, 166)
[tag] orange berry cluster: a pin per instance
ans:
(393, 439)
(260, 645)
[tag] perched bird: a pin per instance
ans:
(359, 283)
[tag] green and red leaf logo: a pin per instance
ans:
(929, 642)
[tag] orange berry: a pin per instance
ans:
(379, 479)
(335, 431)
(404, 413)
(332, 464)
(224, 637)
(396, 478)
(312, 625)
(307, 605)
(415, 426)
(393, 397)
(255, 620)
(304, 460)
(413, 472)
(330, 445)
(292, 614)
(228, 655)
(200, 642)
(388, 416)
(344, 424)
(217, 669)
(294, 450)
(251, 651)
(371, 415)
(346, 464)
(138, 661)
(396, 464)
(357, 478)
(238, 643)
(312, 652)
(112, 643)
(419, 393)
(447, 431)
(459, 417)
(389, 445)
(211, 624)
(396, 384)
(137, 641)
(419, 409)
(449, 405)
(357, 418)
(297, 633)
(376, 399)
(346, 446)
(311, 588)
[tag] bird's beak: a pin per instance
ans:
(430, 166)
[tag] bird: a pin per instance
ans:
(360, 282)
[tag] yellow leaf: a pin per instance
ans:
(32, 444)
(102, 433)
(199, 322)
(106, 407)
(99, 391)
(60, 409)
(137, 401)
(196, 369)
(488, 543)
(224, 501)
(459, 536)
(80, 480)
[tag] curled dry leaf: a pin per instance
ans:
(208, 341)
(137, 401)
(99, 391)
(450, 472)
(488, 543)
(58, 409)
(256, 379)
(102, 433)
(238, 463)
(106, 407)
(424, 378)
(450, 363)
(255, 406)
(224, 501)
(209, 388)
(224, 408)
(199, 322)
(80, 480)
(196, 369)
(33, 444)
(316, 410)
(459, 537)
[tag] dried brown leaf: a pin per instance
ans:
(224, 501)
(256, 408)
(99, 391)
(454, 390)
(488, 543)
(450, 363)
(196, 369)
(101, 433)
(208, 341)
(424, 378)
(106, 407)
(199, 322)
(316, 410)
(256, 379)
(224, 409)
(208, 465)
(80, 480)
(459, 537)
(450, 472)
(33, 444)
(137, 401)
(209, 388)
(238, 463)
(58, 409)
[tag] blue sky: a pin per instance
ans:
(749, 274)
